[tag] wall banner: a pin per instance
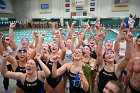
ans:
(120, 5)
(45, 6)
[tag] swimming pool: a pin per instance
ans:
(28, 33)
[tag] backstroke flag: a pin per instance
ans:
(45, 6)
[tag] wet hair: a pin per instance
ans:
(118, 84)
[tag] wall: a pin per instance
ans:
(27, 9)
(8, 12)
(22, 9)
(56, 10)
(8, 15)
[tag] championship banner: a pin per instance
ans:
(45, 6)
(79, 5)
(5, 6)
(120, 5)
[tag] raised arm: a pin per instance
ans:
(10, 59)
(129, 74)
(97, 26)
(100, 59)
(84, 32)
(79, 42)
(72, 25)
(57, 72)
(91, 33)
(124, 61)
(46, 71)
(40, 41)
(34, 40)
(13, 44)
(9, 74)
(2, 49)
(31, 44)
(72, 40)
(118, 39)
(36, 37)
(69, 31)
(62, 46)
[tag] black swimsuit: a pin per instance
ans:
(53, 82)
(22, 70)
(36, 86)
(93, 54)
(75, 85)
(104, 77)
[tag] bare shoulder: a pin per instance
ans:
(135, 59)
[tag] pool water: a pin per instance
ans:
(28, 33)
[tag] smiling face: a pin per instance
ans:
(86, 51)
(77, 55)
(123, 35)
(68, 43)
(109, 56)
(45, 48)
(6, 40)
(30, 66)
(22, 55)
(81, 35)
(54, 47)
(24, 42)
(54, 38)
(92, 42)
(63, 35)
(109, 44)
